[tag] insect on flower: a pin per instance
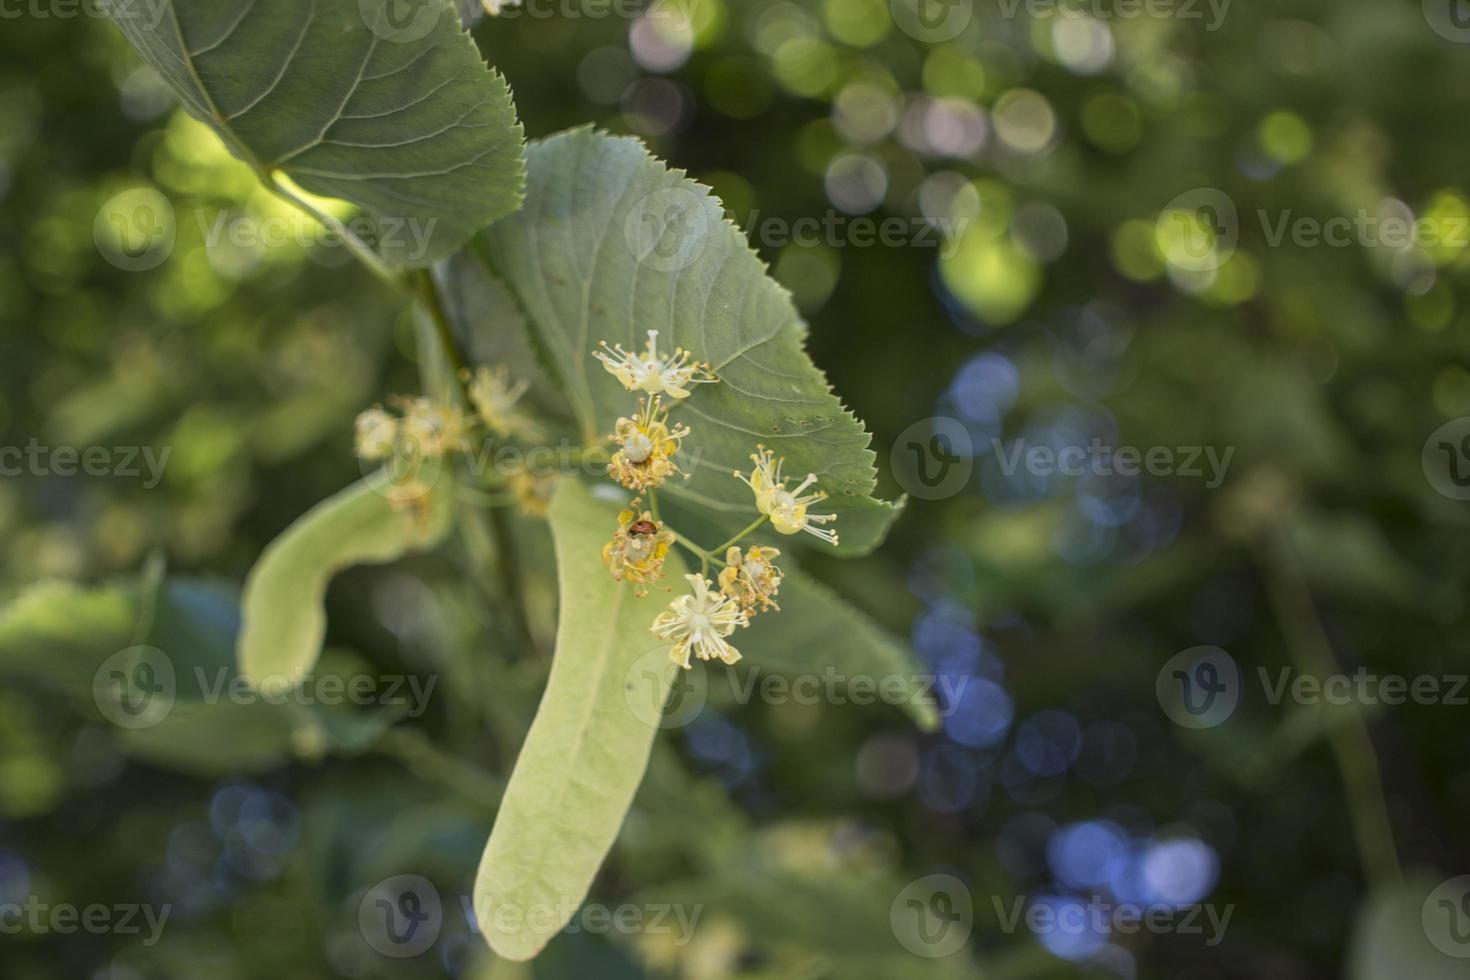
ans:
(699, 622)
(751, 579)
(787, 509)
(651, 373)
(637, 549)
(648, 444)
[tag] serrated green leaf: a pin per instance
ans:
(611, 244)
(283, 618)
(400, 117)
(816, 630)
(587, 749)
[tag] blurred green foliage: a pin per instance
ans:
(1056, 148)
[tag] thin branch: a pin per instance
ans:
(1352, 744)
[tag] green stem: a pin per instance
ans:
(509, 565)
(429, 294)
(507, 562)
(360, 249)
(653, 504)
(741, 536)
(705, 558)
(1352, 744)
(483, 499)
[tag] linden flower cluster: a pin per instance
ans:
(698, 624)
(424, 429)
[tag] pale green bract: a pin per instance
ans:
(587, 749)
(612, 244)
(283, 620)
(400, 117)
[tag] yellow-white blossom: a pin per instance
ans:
(699, 623)
(787, 509)
(495, 399)
(751, 579)
(653, 373)
(647, 446)
(374, 433)
(428, 428)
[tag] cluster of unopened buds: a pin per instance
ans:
(700, 622)
(419, 429)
